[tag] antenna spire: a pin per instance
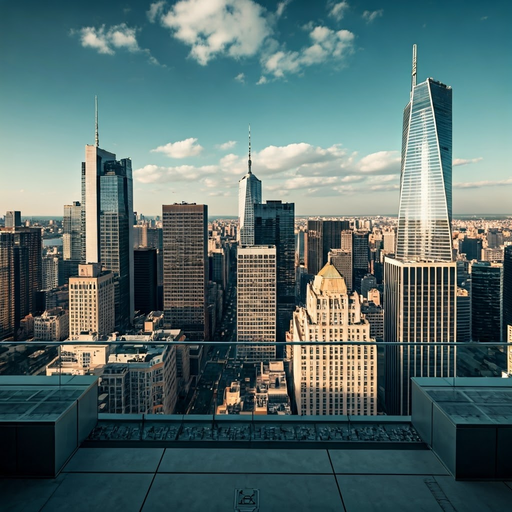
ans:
(96, 135)
(414, 63)
(250, 162)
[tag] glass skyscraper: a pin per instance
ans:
(420, 283)
(249, 194)
(425, 212)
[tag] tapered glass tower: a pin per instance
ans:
(249, 194)
(425, 212)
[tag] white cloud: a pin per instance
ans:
(107, 41)
(337, 11)
(155, 10)
(384, 162)
(227, 145)
(262, 80)
(370, 16)
(157, 174)
(281, 6)
(465, 161)
(240, 78)
(211, 28)
(480, 184)
(180, 149)
(326, 45)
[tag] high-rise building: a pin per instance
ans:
(274, 224)
(333, 378)
(463, 315)
(20, 276)
(367, 283)
(185, 250)
(52, 325)
(342, 260)
(50, 272)
(13, 219)
(249, 194)
(389, 241)
(72, 231)
(145, 280)
(256, 301)
(314, 246)
(91, 301)
(360, 257)
(425, 212)
(472, 248)
(507, 289)
(107, 223)
(487, 302)
(331, 236)
(420, 285)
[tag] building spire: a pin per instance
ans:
(250, 162)
(96, 135)
(414, 61)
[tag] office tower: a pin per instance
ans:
(342, 260)
(374, 314)
(367, 283)
(185, 244)
(249, 194)
(463, 315)
(107, 222)
(494, 238)
(331, 236)
(472, 248)
(507, 289)
(360, 256)
(420, 285)
(256, 301)
(346, 240)
(425, 212)
(91, 301)
(20, 277)
(389, 241)
(274, 224)
(72, 231)
(333, 378)
(487, 302)
(374, 296)
(314, 246)
(492, 254)
(50, 272)
(52, 325)
(300, 243)
(13, 219)
(145, 280)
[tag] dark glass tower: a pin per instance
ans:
(274, 224)
(145, 280)
(507, 289)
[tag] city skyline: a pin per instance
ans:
(321, 85)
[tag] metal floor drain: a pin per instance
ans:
(439, 495)
(247, 500)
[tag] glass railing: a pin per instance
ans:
(249, 381)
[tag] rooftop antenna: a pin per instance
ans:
(96, 135)
(414, 63)
(250, 162)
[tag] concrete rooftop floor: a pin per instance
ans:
(207, 480)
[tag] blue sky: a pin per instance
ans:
(323, 85)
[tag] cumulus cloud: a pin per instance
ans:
(155, 10)
(230, 144)
(326, 44)
(262, 80)
(370, 16)
(281, 6)
(240, 78)
(465, 161)
(107, 41)
(385, 162)
(158, 174)
(236, 28)
(337, 10)
(180, 149)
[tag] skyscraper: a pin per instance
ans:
(13, 219)
(107, 222)
(420, 285)
(314, 246)
(256, 301)
(335, 379)
(145, 280)
(72, 231)
(507, 289)
(487, 302)
(20, 276)
(274, 224)
(360, 257)
(425, 212)
(185, 248)
(249, 194)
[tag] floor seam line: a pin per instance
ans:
(152, 480)
(336, 480)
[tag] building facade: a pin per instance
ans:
(72, 231)
(257, 302)
(333, 377)
(52, 325)
(185, 250)
(91, 302)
